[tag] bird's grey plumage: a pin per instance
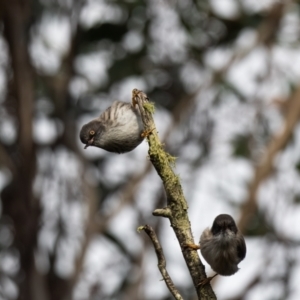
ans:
(118, 129)
(223, 246)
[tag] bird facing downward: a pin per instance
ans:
(223, 246)
(118, 129)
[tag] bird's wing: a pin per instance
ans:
(111, 113)
(241, 248)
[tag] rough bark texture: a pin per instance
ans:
(176, 210)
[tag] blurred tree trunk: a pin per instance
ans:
(19, 202)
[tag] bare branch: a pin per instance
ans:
(161, 261)
(176, 210)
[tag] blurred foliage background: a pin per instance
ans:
(224, 76)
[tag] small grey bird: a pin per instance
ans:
(223, 246)
(119, 129)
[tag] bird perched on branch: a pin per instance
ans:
(119, 129)
(223, 246)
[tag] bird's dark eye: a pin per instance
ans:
(92, 132)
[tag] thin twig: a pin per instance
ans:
(161, 261)
(176, 210)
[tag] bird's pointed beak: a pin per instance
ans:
(89, 143)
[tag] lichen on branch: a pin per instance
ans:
(176, 209)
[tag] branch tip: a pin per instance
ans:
(162, 212)
(140, 228)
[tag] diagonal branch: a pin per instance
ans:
(176, 210)
(265, 168)
(161, 261)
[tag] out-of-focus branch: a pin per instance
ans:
(161, 261)
(255, 280)
(265, 35)
(5, 160)
(18, 200)
(16, 18)
(265, 168)
(91, 198)
(176, 203)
